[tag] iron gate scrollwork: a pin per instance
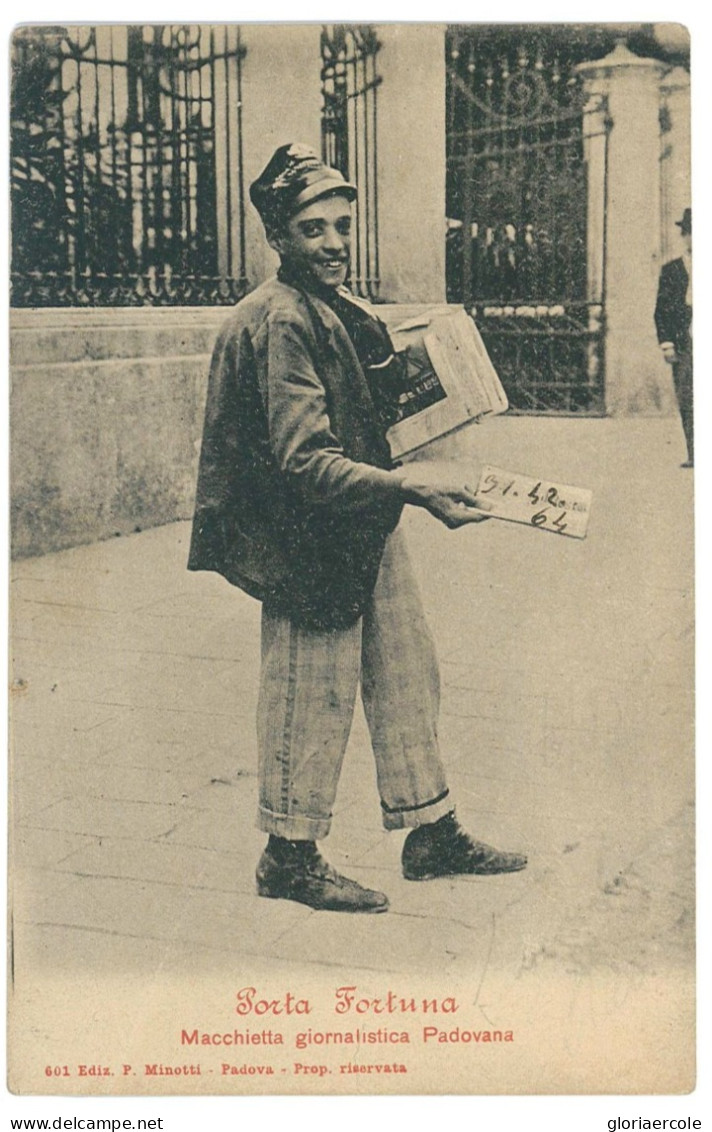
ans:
(526, 222)
(349, 132)
(126, 175)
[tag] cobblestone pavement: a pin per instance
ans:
(566, 724)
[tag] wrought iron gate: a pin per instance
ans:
(526, 164)
(349, 131)
(127, 179)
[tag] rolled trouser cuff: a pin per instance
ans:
(421, 813)
(295, 827)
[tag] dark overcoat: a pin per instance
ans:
(295, 496)
(673, 322)
(673, 315)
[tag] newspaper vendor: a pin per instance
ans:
(298, 504)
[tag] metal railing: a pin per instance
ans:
(126, 166)
(524, 217)
(349, 130)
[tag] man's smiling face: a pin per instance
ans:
(317, 241)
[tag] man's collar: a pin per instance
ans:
(302, 281)
(325, 317)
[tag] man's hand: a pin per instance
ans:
(669, 353)
(453, 503)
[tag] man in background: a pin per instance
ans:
(673, 321)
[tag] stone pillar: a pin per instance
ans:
(411, 162)
(281, 103)
(674, 156)
(637, 379)
(595, 126)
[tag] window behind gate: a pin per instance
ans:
(526, 209)
(349, 128)
(127, 179)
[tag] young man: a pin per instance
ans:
(298, 504)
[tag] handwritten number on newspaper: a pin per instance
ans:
(560, 508)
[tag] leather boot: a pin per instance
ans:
(443, 849)
(296, 870)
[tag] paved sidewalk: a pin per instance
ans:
(566, 722)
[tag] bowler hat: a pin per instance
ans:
(294, 177)
(685, 225)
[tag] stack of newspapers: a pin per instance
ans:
(450, 379)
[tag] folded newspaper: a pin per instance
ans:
(450, 378)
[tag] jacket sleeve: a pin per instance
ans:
(303, 443)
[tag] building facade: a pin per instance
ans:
(533, 174)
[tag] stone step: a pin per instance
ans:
(52, 336)
(42, 338)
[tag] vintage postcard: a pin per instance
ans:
(322, 814)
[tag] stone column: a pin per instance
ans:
(595, 125)
(637, 379)
(411, 162)
(674, 156)
(281, 103)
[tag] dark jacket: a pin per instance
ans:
(294, 499)
(673, 316)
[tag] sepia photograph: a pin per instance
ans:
(352, 580)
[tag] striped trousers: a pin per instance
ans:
(308, 686)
